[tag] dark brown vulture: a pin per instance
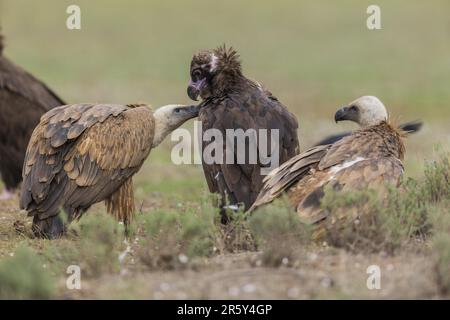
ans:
(23, 99)
(368, 158)
(232, 101)
(82, 154)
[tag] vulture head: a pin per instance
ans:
(213, 72)
(170, 117)
(365, 111)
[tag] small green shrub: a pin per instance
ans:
(171, 239)
(94, 244)
(440, 219)
(365, 221)
(278, 233)
(436, 182)
(23, 276)
(235, 236)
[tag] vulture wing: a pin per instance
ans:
(82, 154)
(23, 99)
(365, 159)
(241, 183)
(290, 172)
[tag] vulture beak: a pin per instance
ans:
(194, 88)
(192, 111)
(342, 114)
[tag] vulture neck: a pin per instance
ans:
(162, 129)
(229, 81)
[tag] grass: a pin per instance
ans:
(410, 220)
(314, 56)
(24, 276)
(279, 234)
(93, 243)
(440, 219)
(172, 239)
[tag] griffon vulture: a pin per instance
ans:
(23, 99)
(232, 101)
(82, 154)
(368, 158)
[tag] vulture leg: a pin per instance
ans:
(50, 228)
(227, 199)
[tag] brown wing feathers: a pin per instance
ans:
(366, 159)
(82, 154)
(288, 174)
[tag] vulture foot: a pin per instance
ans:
(50, 228)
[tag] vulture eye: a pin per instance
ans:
(177, 110)
(196, 73)
(353, 108)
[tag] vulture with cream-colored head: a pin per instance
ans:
(232, 102)
(82, 154)
(23, 99)
(368, 158)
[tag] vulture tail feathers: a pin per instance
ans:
(412, 126)
(121, 203)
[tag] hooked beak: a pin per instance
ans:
(194, 89)
(342, 114)
(192, 110)
(185, 112)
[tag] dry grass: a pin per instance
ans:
(328, 59)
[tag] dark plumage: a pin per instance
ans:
(23, 99)
(368, 158)
(232, 101)
(82, 154)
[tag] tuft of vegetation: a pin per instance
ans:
(364, 221)
(278, 233)
(24, 276)
(235, 236)
(93, 243)
(440, 219)
(436, 183)
(171, 239)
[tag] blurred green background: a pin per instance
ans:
(313, 55)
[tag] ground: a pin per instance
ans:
(313, 56)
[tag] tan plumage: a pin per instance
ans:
(86, 153)
(368, 158)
